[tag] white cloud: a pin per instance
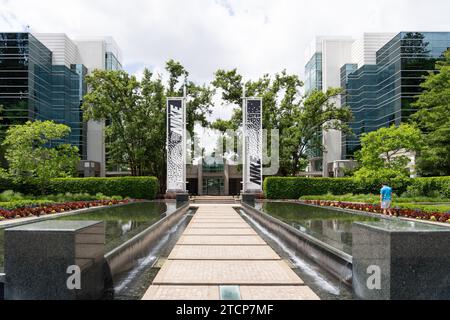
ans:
(256, 36)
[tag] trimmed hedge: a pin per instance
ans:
(132, 187)
(296, 187)
(430, 187)
(10, 184)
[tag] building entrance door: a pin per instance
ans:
(213, 186)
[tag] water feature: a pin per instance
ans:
(122, 222)
(326, 286)
(133, 283)
(327, 225)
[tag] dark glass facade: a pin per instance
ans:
(313, 73)
(25, 78)
(381, 95)
(313, 81)
(31, 88)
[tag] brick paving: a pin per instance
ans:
(220, 248)
(220, 231)
(192, 252)
(221, 240)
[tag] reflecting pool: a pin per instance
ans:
(327, 225)
(124, 222)
(121, 223)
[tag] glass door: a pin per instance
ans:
(213, 186)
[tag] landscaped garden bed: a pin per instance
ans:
(374, 208)
(41, 210)
(72, 194)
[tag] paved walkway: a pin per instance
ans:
(218, 253)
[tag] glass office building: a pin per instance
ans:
(67, 88)
(313, 73)
(25, 78)
(381, 95)
(313, 81)
(31, 88)
(111, 61)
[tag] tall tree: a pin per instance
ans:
(433, 118)
(297, 118)
(199, 97)
(154, 124)
(34, 153)
(136, 114)
(114, 96)
(382, 154)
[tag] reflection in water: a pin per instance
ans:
(318, 279)
(124, 222)
(126, 227)
(330, 226)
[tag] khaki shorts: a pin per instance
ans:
(386, 204)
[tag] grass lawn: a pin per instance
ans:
(421, 203)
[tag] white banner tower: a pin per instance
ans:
(176, 147)
(252, 148)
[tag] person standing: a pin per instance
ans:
(386, 199)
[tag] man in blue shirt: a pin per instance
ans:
(386, 199)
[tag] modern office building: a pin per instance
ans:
(93, 53)
(42, 78)
(381, 94)
(330, 60)
(325, 56)
(32, 87)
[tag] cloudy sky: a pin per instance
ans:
(255, 36)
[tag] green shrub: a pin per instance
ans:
(373, 198)
(8, 183)
(69, 197)
(132, 187)
(429, 187)
(74, 189)
(296, 187)
(11, 205)
(427, 208)
(9, 195)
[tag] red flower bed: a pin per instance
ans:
(57, 208)
(408, 213)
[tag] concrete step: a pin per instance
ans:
(213, 200)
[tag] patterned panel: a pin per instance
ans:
(252, 145)
(176, 132)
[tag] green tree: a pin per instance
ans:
(135, 113)
(114, 96)
(433, 118)
(199, 97)
(153, 126)
(297, 118)
(34, 154)
(223, 125)
(382, 153)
